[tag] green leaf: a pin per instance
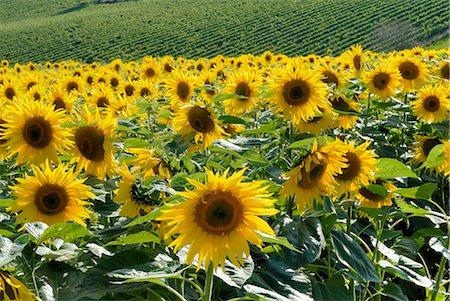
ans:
(6, 202)
(135, 238)
(236, 276)
(393, 291)
(325, 291)
(222, 97)
(378, 189)
(66, 231)
(145, 219)
(10, 250)
(352, 256)
(422, 192)
(405, 273)
(228, 119)
(306, 235)
(435, 157)
(136, 143)
(439, 247)
(433, 216)
(306, 144)
(391, 168)
(282, 241)
(35, 228)
(255, 157)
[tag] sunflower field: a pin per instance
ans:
(268, 177)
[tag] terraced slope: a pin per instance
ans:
(40, 30)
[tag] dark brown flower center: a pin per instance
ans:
(149, 72)
(340, 104)
(51, 199)
(311, 178)
(10, 93)
(89, 141)
(381, 80)
(445, 72)
(129, 90)
(431, 103)
(37, 132)
(167, 67)
(329, 78)
(353, 169)
(296, 92)
(183, 90)
(219, 213)
(145, 92)
(409, 70)
(357, 62)
(243, 89)
(71, 86)
(102, 102)
(200, 120)
(370, 195)
(59, 103)
(114, 82)
(429, 144)
(30, 85)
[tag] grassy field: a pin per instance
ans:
(41, 30)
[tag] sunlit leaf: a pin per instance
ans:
(390, 168)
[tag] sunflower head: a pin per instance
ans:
(52, 195)
(200, 122)
(314, 177)
(369, 199)
(93, 149)
(33, 131)
(299, 93)
(413, 72)
(218, 219)
(383, 80)
(432, 104)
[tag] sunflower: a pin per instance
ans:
(127, 88)
(101, 96)
(354, 58)
(219, 218)
(33, 131)
(53, 195)
(315, 176)
(325, 121)
(413, 71)
(8, 89)
(245, 83)
(199, 122)
(29, 79)
(342, 104)
(360, 170)
(446, 165)
(180, 87)
(432, 104)
(423, 146)
(149, 164)
(60, 99)
(93, 150)
(72, 84)
(299, 93)
(144, 88)
(3, 147)
(133, 195)
(442, 70)
(37, 92)
(369, 199)
(149, 69)
(383, 80)
(122, 107)
(331, 76)
(11, 289)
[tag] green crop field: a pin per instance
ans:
(41, 30)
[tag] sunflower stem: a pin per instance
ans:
(349, 231)
(209, 283)
(367, 109)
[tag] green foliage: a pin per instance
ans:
(61, 30)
